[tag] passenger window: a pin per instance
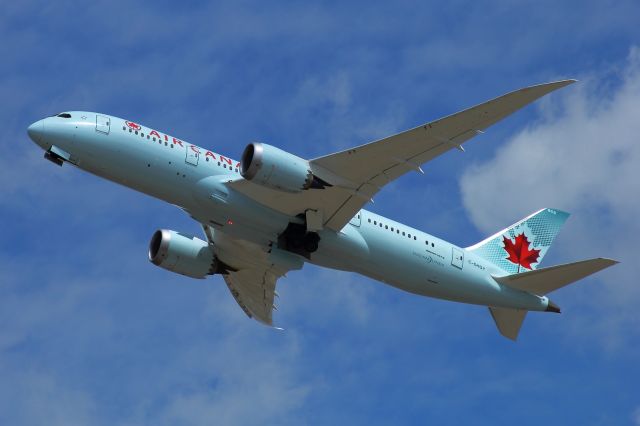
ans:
(386, 227)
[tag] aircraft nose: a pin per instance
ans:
(36, 131)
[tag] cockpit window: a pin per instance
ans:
(64, 115)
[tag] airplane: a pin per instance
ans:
(272, 211)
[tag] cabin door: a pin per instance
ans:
(457, 257)
(103, 124)
(193, 154)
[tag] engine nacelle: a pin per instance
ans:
(277, 169)
(183, 254)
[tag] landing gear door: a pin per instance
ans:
(356, 220)
(103, 124)
(193, 154)
(457, 257)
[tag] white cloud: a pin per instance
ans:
(583, 157)
(255, 387)
(36, 398)
(636, 416)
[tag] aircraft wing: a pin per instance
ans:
(252, 272)
(254, 290)
(357, 174)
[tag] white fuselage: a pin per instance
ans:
(194, 179)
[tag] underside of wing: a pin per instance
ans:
(357, 174)
(367, 168)
(254, 290)
(386, 159)
(251, 272)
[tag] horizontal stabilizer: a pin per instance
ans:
(546, 280)
(508, 321)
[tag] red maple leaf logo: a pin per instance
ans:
(134, 126)
(519, 252)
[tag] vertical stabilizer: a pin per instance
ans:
(522, 246)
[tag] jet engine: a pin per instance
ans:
(277, 169)
(183, 254)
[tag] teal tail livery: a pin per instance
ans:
(272, 212)
(518, 250)
(522, 246)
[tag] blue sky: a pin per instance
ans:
(92, 333)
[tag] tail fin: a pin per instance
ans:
(522, 246)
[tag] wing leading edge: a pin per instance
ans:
(369, 167)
